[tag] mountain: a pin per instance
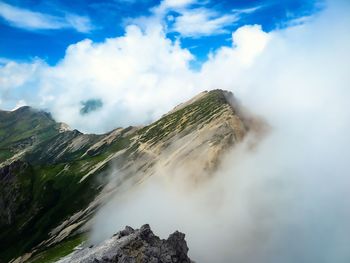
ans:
(53, 179)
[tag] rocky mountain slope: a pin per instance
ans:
(52, 179)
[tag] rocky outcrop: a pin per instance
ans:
(134, 246)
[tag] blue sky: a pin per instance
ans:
(44, 29)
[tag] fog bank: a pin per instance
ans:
(286, 200)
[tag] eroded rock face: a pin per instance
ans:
(135, 246)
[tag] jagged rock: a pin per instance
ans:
(135, 246)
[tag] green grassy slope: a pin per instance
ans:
(22, 128)
(37, 194)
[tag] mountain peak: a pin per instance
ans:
(217, 92)
(190, 115)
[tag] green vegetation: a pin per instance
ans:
(198, 112)
(61, 250)
(22, 128)
(53, 194)
(42, 193)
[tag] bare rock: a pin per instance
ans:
(135, 246)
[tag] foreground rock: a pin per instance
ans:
(131, 246)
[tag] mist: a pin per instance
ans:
(286, 200)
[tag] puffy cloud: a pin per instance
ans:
(14, 74)
(250, 41)
(137, 77)
(228, 64)
(18, 81)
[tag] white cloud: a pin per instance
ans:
(248, 10)
(195, 19)
(167, 5)
(18, 81)
(160, 14)
(79, 23)
(247, 43)
(202, 22)
(14, 75)
(30, 20)
(137, 77)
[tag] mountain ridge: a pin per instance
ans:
(69, 165)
